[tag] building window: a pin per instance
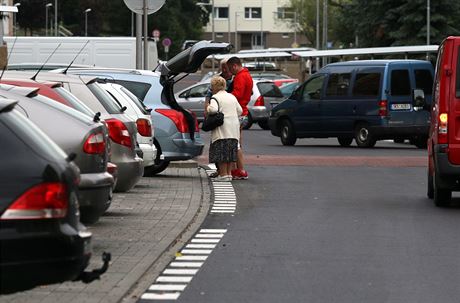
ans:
(253, 12)
(285, 36)
(221, 12)
(285, 13)
(219, 35)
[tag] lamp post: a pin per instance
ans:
(48, 5)
(56, 33)
(15, 27)
(86, 21)
(213, 35)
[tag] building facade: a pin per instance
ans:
(253, 24)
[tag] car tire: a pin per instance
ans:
(441, 196)
(159, 166)
(287, 133)
(430, 187)
(264, 125)
(345, 141)
(250, 122)
(420, 142)
(89, 215)
(363, 136)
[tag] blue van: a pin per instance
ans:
(363, 100)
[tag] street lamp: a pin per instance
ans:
(86, 21)
(15, 27)
(48, 5)
(56, 33)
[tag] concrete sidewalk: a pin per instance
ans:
(157, 215)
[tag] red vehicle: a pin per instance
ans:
(444, 138)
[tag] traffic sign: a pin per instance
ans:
(166, 42)
(137, 6)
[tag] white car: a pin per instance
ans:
(137, 111)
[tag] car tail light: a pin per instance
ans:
(95, 144)
(442, 128)
(177, 117)
(112, 168)
(43, 201)
(383, 108)
(260, 101)
(144, 127)
(118, 132)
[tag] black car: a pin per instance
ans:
(41, 238)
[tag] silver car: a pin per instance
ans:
(265, 94)
(177, 134)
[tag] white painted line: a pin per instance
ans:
(191, 258)
(173, 271)
(209, 236)
(224, 208)
(196, 251)
(200, 246)
(222, 212)
(165, 296)
(224, 202)
(215, 231)
(186, 264)
(225, 198)
(205, 240)
(168, 287)
(174, 279)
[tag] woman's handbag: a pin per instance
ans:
(213, 121)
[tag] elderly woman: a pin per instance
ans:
(224, 139)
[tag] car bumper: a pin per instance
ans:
(95, 190)
(390, 132)
(184, 148)
(62, 255)
(258, 113)
(448, 174)
(150, 153)
(129, 173)
(273, 128)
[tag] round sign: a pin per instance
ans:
(137, 6)
(166, 42)
(156, 33)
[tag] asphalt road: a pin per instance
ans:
(338, 232)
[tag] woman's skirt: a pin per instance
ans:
(223, 150)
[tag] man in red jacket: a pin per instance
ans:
(242, 90)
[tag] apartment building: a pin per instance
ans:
(252, 24)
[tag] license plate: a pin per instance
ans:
(400, 106)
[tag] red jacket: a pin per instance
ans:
(242, 89)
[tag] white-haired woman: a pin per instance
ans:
(224, 139)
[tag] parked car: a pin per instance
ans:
(41, 238)
(122, 130)
(138, 113)
(177, 134)
(88, 145)
(265, 94)
(365, 100)
(277, 78)
(288, 88)
(443, 141)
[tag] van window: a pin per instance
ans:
(367, 84)
(424, 80)
(457, 86)
(312, 90)
(400, 83)
(338, 84)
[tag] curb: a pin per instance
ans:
(184, 164)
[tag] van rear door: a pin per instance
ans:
(400, 95)
(454, 102)
(422, 74)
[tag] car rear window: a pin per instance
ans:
(268, 89)
(367, 84)
(424, 80)
(338, 84)
(136, 100)
(400, 82)
(106, 100)
(77, 104)
(139, 89)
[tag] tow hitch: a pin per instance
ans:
(90, 276)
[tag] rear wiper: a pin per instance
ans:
(123, 109)
(97, 117)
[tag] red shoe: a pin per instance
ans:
(239, 174)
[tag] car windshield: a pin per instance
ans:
(269, 89)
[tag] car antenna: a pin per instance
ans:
(67, 68)
(9, 55)
(43, 65)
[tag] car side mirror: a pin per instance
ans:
(419, 101)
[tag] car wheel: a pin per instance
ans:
(441, 196)
(345, 141)
(363, 136)
(250, 122)
(287, 133)
(89, 215)
(159, 166)
(264, 125)
(430, 187)
(420, 142)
